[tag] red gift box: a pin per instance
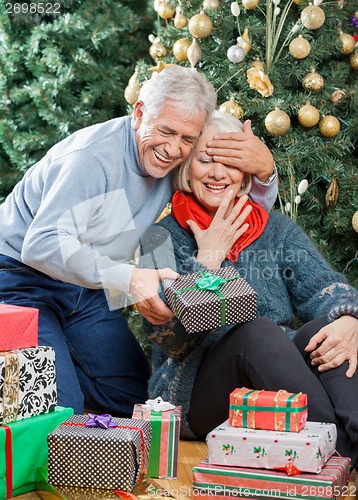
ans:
(223, 482)
(18, 327)
(277, 411)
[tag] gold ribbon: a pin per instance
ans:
(11, 387)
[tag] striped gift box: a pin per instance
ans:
(244, 482)
(164, 446)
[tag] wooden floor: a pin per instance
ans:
(190, 454)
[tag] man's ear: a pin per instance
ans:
(137, 114)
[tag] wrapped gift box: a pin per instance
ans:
(244, 482)
(279, 411)
(18, 327)
(164, 446)
(27, 383)
(202, 301)
(308, 450)
(97, 457)
(23, 448)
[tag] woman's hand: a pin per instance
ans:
(243, 150)
(334, 344)
(226, 227)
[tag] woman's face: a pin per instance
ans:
(209, 180)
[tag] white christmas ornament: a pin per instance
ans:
(235, 9)
(317, 2)
(235, 54)
(302, 187)
(156, 4)
(151, 38)
(298, 199)
(277, 11)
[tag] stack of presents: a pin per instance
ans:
(266, 447)
(48, 449)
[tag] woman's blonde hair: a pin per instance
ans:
(219, 121)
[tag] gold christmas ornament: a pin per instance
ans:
(329, 126)
(165, 10)
(180, 21)
(337, 96)
(194, 53)
(200, 25)
(348, 43)
(313, 82)
(159, 67)
(233, 108)
(157, 49)
(211, 4)
(308, 115)
(131, 92)
(312, 17)
(259, 81)
(277, 122)
(355, 221)
(332, 193)
(250, 4)
(354, 60)
(299, 47)
(244, 41)
(297, 2)
(180, 49)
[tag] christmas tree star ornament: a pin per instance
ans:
(233, 108)
(277, 122)
(312, 17)
(313, 82)
(329, 126)
(180, 49)
(200, 25)
(159, 67)
(299, 47)
(347, 43)
(308, 115)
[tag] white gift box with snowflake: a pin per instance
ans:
(304, 451)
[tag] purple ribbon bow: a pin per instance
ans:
(105, 421)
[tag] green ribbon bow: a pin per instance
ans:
(211, 283)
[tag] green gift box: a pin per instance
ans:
(24, 448)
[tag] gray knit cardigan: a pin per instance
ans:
(291, 279)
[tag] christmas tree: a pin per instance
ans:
(63, 66)
(290, 67)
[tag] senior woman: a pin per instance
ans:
(212, 224)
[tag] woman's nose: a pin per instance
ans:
(217, 170)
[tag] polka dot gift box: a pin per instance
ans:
(98, 451)
(206, 300)
(18, 327)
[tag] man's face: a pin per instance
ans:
(165, 142)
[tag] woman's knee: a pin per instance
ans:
(260, 335)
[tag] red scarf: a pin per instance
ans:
(185, 207)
